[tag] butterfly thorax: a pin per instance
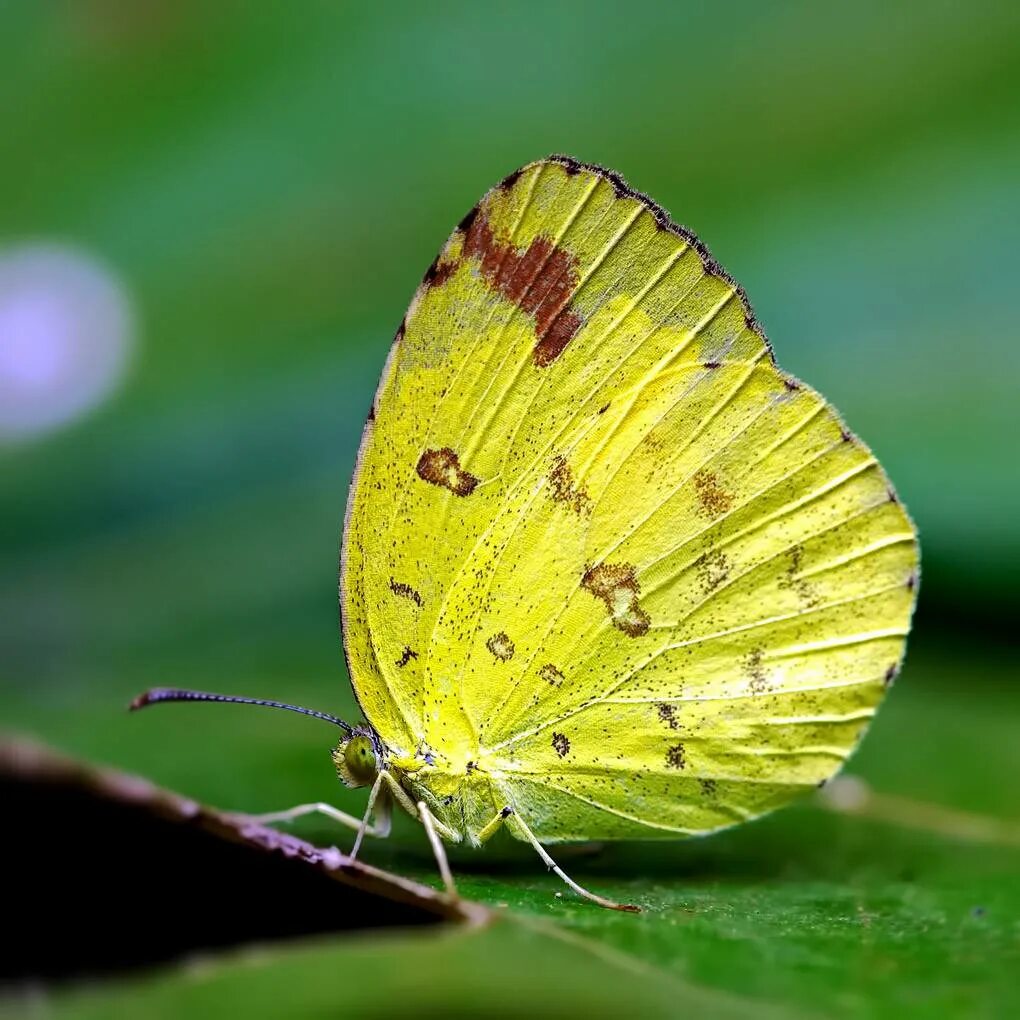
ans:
(461, 794)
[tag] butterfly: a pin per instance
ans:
(607, 572)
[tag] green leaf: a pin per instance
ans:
(502, 971)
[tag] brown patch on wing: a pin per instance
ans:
(501, 646)
(442, 467)
(616, 584)
(713, 569)
(510, 180)
(708, 787)
(480, 243)
(712, 497)
(550, 674)
(561, 744)
(561, 481)
(439, 272)
(667, 714)
(561, 331)
(676, 757)
(539, 279)
(408, 655)
(405, 591)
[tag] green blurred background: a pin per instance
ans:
(268, 181)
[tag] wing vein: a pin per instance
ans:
(888, 632)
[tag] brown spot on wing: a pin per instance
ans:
(442, 467)
(712, 497)
(792, 580)
(755, 670)
(550, 674)
(676, 757)
(667, 714)
(561, 482)
(713, 568)
(406, 657)
(561, 744)
(708, 787)
(501, 646)
(539, 279)
(405, 591)
(617, 586)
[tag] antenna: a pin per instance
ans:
(160, 694)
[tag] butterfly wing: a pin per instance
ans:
(598, 538)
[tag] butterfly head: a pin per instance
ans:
(358, 758)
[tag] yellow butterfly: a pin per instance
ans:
(607, 572)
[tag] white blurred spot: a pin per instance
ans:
(65, 337)
(332, 858)
(846, 793)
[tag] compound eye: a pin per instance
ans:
(360, 761)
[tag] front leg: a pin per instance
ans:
(380, 829)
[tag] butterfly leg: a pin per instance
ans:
(517, 823)
(434, 829)
(431, 827)
(382, 814)
(488, 831)
(380, 829)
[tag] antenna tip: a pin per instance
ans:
(142, 700)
